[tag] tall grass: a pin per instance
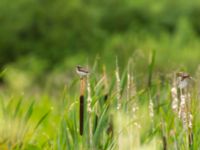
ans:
(116, 114)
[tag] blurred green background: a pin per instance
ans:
(41, 41)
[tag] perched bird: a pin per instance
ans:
(81, 71)
(183, 79)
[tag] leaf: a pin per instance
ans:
(17, 108)
(29, 112)
(42, 119)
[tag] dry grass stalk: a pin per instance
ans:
(164, 137)
(131, 92)
(89, 110)
(128, 82)
(118, 86)
(183, 111)
(151, 111)
(174, 95)
(185, 105)
(89, 98)
(132, 87)
(174, 100)
(105, 81)
(198, 81)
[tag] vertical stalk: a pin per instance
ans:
(81, 108)
(118, 86)
(164, 138)
(105, 84)
(81, 113)
(189, 120)
(190, 136)
(89, 110)
(151, 67)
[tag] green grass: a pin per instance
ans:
(48, 121)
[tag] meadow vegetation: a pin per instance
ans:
(118, 114)
(132, 98)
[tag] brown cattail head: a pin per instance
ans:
(81, 115)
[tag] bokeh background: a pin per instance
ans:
(41, 41)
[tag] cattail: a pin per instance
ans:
(82, 72)
(81, 109)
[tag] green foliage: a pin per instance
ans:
(52, 121)
(53, 31)
(41, 42)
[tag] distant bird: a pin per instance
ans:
(183, 79)
(81, 71)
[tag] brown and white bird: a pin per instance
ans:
(183, 79)
(81, 71)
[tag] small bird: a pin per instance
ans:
(183, 79)
(81, 71)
